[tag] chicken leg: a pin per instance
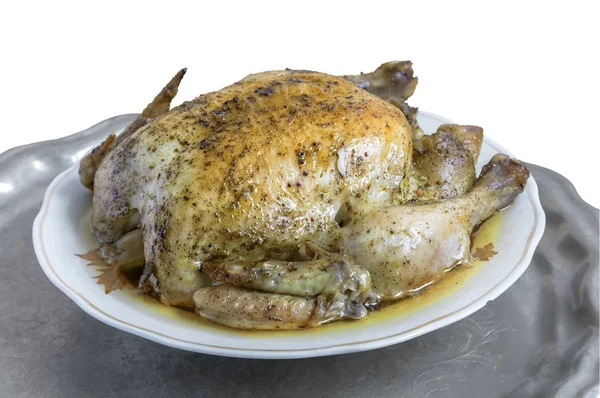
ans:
(408, 247)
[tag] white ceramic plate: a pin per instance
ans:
(61, 230)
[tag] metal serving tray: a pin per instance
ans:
(538, 339)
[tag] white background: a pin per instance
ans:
(527, 72)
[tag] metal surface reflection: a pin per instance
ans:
(540, 338)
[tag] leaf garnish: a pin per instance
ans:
(484, 253)
(94, 257)
(111, 276)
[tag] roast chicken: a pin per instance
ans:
(292, 198)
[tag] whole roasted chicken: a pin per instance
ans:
(292, 198)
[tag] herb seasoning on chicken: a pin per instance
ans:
(292, 198)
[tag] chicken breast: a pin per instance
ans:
(250, 172)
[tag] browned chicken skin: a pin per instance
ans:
(282, 189)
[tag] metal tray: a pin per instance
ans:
(538, 339)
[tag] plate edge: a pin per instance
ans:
(495, 292)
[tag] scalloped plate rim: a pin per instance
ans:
(85, 305)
